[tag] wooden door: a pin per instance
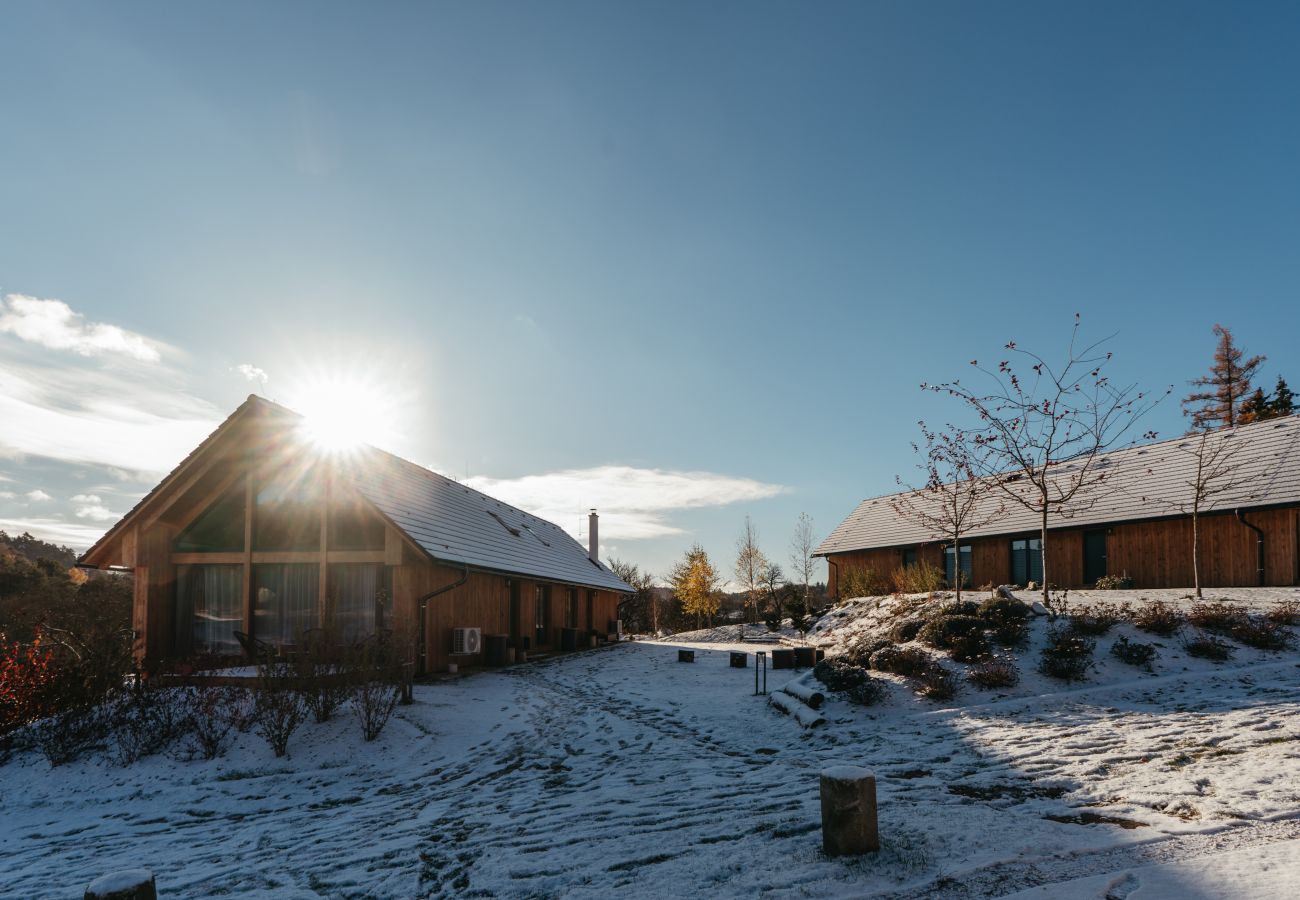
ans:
(1094, 556)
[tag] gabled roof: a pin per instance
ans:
(1143, 482)
(450, 522)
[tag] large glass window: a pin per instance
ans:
(949, 569)
(209, 609)
(285, 601)
(360, 602)
(1026, 561)
(352, 526)
(571, 608)
(288, 509)
(219, 528)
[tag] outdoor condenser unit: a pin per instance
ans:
(466, 640)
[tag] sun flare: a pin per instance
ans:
(342, 413)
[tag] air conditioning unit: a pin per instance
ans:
(466, 640)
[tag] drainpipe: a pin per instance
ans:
(423, 604)
(1259, 545)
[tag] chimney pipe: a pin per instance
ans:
(593, 536)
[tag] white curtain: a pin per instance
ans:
(359, 603)
(209, 609)
(287, 602)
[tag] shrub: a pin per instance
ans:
(278, 708)
(860, 651)
(1010, 632)
(867, 693)
(1114, 583)
(943, 632)
(1159, 618)
(901, 660)
(839, 675)
(1262, 633)
(1067, 656)
(375, 689)
(995, 672)
(862, 583)
(1134, 653)
(146, 722)
(918, 578)
(969, 648)
(1218, 617)
(213, 712)
(69, 734)
(1003, 609)
(1207, 646)
(322, 675)
(962, 608)
(1286, 612)
(1093, 620)
(906, 630)
(26, 673)
(936, 683)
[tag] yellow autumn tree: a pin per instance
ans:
(695, 582)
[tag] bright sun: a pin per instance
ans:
(343, 413)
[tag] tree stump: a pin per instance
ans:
(783, 659)
(127, 884)
(849, 826)
(739, 660)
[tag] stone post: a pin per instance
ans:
(849, 826)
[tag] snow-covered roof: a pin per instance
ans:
(459, 525)
(1142, 482)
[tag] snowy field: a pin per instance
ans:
(623, 772)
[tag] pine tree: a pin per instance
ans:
(1283, 403)
(1255, 408)
(1228, 383)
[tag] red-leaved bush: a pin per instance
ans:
(26, 673)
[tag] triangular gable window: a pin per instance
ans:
(219, 528)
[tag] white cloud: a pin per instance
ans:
(74, 534)
(96, 512)
(38, 496)
(252, 373)
(633, 503)
(7, 495)
(86, 498)
(53, 324)
(120, 418)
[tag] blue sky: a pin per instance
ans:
(700, 255)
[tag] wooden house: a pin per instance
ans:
(1136, 523)
(260, 531)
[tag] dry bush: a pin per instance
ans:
(1067, 656)
(1134, 653)
(214, 712)
(1207, 646)
(1094, 620)
(860, 651)
(146, 721)
(995, 672)
(901, 660)
(944, 631)
(1158, 617)
(918, 578)
(1218, 617)
(1010, 633)
(863, 582)
(375, 688)
(322, 674)
(278, 708)
(1114, 583)
(1262, 633)
(1287, 612)
(867, 693)
(969, 648)
(936, 683)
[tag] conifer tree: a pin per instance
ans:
(1255, 408)
(1283, 403)
(1228, 384)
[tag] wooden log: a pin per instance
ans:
(849, 825)
(801, 691)
(125, 884)
(790, 706)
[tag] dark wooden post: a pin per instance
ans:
(849, 826)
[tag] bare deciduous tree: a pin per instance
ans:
(640, 609)
(802, 545)
(1042, 436)
(956, 497)
(750, 563)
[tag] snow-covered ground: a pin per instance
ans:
(624, 771)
